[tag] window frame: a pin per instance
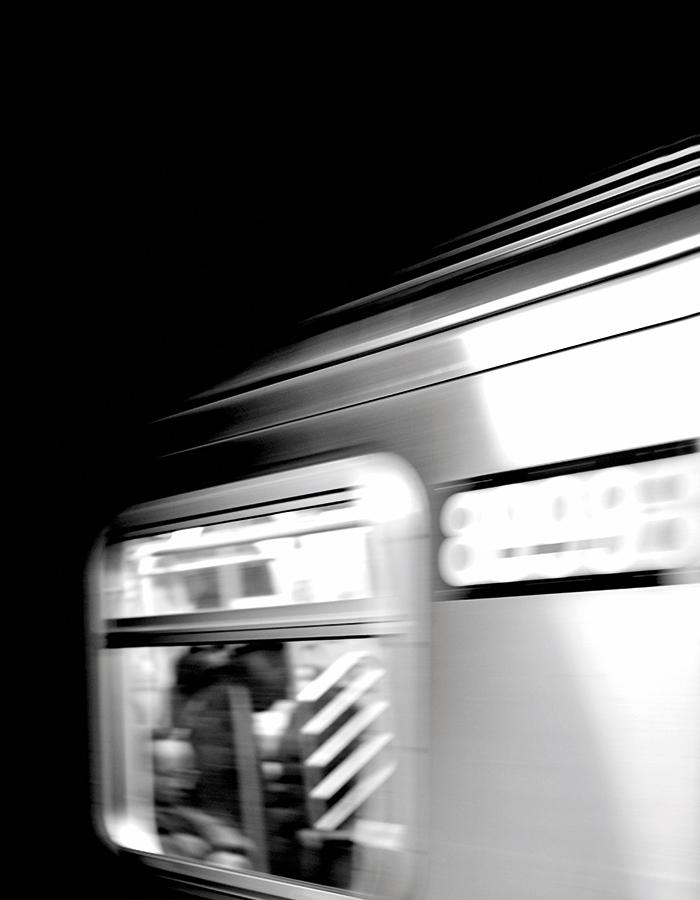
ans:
(397, 609)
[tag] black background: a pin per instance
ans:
(183, 254)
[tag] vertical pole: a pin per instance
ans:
(249, 777)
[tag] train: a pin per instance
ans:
(412, 609)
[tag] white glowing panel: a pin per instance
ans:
(639, 517)
(631, 391)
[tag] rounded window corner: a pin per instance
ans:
(257, 636)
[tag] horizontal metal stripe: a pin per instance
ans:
(570, 211)
(309, 631)
(267, 507)
(585, 312)
(568, 467)
(336, 480)
(441, 283)
(425, 381)
(463, 317)
(277, 614)
(574, 584)
(655, 163)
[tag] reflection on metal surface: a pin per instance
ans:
(547, 321)
(597, 398)
(636, 659)
(614, 307)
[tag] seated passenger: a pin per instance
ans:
(203, 711)
(183, 829)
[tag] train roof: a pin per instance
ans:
(403, 311)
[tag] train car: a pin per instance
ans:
(412, 609)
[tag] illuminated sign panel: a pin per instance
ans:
(633, 512)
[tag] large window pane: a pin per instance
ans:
(264, 756)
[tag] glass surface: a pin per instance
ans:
(301, 556)
(267, 756)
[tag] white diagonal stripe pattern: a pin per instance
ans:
(342, 737)
(330, 676)
(341, 702)
(354, 799)
(342, 773)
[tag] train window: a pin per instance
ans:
(266, 756)
(309, 555)
(259, 680)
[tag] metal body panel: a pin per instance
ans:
(630, 391)
(570, 764)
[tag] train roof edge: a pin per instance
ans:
(665, 178)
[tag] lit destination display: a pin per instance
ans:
(639, 517)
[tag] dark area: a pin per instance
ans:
(183, 259)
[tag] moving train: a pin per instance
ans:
(412, 610)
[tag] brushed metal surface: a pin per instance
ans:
(566, 746)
